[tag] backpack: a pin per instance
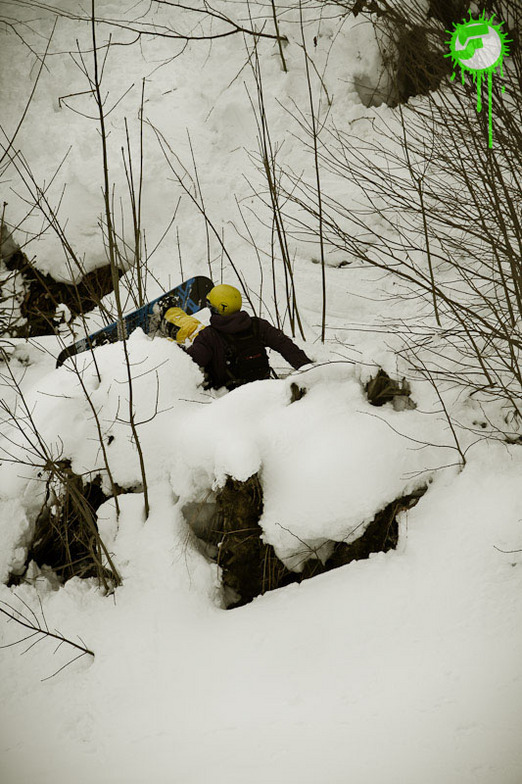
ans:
(245, 356)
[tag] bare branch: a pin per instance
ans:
(36, 628)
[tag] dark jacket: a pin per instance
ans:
(208, 349)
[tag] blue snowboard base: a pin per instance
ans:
(190, 296)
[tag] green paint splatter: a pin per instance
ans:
(478, 47)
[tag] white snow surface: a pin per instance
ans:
(399, 669)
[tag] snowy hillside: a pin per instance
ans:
(397, 668)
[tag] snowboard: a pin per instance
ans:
(190, 296)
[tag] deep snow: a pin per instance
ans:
(399, 669)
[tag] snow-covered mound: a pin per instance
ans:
(380, 651)
(328, 462)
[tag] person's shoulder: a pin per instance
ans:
(260, 320)
(263, 324)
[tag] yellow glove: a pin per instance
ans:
(188, 325)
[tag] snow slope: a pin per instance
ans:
(399, 669)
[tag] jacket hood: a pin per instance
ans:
(236, 322)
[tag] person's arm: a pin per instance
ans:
(200, 351)
(276, 339)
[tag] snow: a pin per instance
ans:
(387, 670)
(398, 669)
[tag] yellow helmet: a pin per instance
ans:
(224, 299)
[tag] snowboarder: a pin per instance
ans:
(232, 350)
